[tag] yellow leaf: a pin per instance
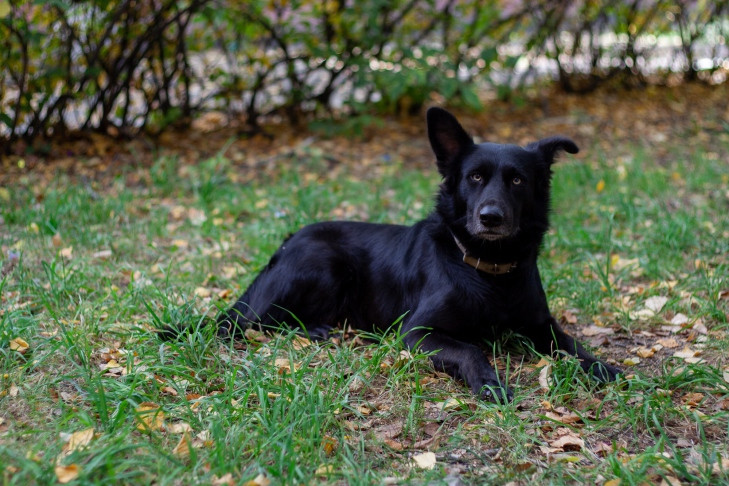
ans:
(182, 449)
(4, 193)
(18, 344)
(79, 440)
(202, 292)
(324, 470)
(600, 186)
(224, 480)
(259, 480)
(150, 416)
(631, 361)
(66, 474)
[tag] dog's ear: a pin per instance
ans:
(549, 147)
(447, 137)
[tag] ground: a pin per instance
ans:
(104, 241)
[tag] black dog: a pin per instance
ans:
(465, 273)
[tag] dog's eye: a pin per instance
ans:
(476, 177)
(516, 181)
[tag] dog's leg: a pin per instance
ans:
(460, 360)
(552, 338)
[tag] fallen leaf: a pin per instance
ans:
(679, 319)
(19, 344)
(329, 444)
(595, 330)
(149, 416)
(66, 474)
(631, 361)
(202, 292)
(182, 449)
(57, 240)
(224, 480)
(568, 442)
(567, 418)
(668, 342)
(686, 353)
(670, 481)
(102, 255)
(284, 365)
(66, 252)
(450, 404)
(424, 460)
(545, 377)
(178, 428)
(692, 399)
(79, 440)
(324, 470)
(259, 480)
(645, 352)
(655, 303)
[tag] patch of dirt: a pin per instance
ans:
(601, 124)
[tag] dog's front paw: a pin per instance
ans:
(604, 372)
(496, 393)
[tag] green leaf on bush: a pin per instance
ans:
(5, 118)
(4, 8)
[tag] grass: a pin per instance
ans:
(91, 268)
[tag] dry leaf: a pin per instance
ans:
(424, 460)
(19, 344)
(655, 303)
(595, 330)
(679, 319)
(567, 418)
(66, 252)
(149, 416)
(102, 255)
(224, 480)
(79, 440)
(668, 342)
(645, 352)
(178, 428)
(324, 470)
(284, 365)
(631, 361)
(568, 442)
(545, 377)
(692, 399)
(329, 444)
(202, 292)
(182, 449)
(66, 474)
(670, 481)
(259, 480)
(686, 353)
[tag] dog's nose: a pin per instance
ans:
(491, 216)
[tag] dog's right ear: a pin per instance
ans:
(447, 137)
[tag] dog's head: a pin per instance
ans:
(491, 190)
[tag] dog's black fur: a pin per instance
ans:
(494, 200)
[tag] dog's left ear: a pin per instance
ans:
(549, 147)
(447, 137)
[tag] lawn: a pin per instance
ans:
(635, 265)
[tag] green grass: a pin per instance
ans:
(159, 246)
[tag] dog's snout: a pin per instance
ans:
(491, 216)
